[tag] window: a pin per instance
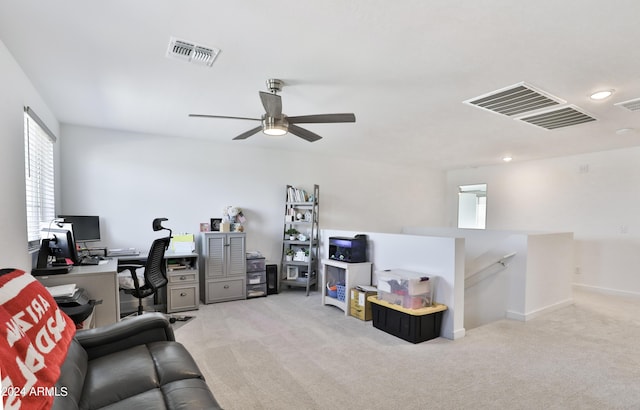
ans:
(39, 175)
(472, 206)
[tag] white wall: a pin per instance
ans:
(536, 277)
(595, 196)
(130, 178)
(548, 273)
(16, 92)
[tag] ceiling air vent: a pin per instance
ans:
(631, 105)
(191, 52)
(516, 99)
(565, 116)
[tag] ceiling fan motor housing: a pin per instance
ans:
(274, 85)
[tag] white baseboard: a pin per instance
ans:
(458, 334)
(523, 317)
(605, 291)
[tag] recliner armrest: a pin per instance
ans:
(147, 328)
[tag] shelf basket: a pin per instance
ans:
(341, 292)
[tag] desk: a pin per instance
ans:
(100, 282)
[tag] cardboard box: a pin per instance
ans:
(360, 305)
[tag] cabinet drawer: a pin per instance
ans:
(254, 278)
(226, 290)
(183, 277)
(254, 291)
(182, 298)
(255, 265)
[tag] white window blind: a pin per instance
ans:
(39, 175)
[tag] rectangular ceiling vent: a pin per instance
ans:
(631, 105)
(515, 99)
(565, 116)
(191, 52)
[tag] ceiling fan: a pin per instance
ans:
(274, 122)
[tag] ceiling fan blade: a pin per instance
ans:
(272, 104)
(322, 118)
(223, 116)
(303, 133)
(249, 133)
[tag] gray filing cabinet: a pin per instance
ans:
(256, 277)
(223, 268)
(182, 290)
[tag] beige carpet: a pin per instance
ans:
(287, 351)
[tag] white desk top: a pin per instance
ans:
(167, 255)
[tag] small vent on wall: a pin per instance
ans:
(515, 99)
(190, 52)
(565, 116)
(631, 105)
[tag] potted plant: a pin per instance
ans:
(289, 255)
(306, 255)
(292, 232)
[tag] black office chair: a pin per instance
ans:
(155, 275)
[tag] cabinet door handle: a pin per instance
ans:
(226, 286)
(183, 278)
(183, 294)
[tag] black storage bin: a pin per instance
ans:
(412, 325)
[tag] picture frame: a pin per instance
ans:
(215, 224)
(205, 227)
(292, 272)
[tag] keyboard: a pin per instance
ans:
(123, 252)
(89, 260)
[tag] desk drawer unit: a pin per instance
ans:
(183, 289)
(180, 298)
(187, 277)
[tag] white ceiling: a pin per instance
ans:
(403, 67)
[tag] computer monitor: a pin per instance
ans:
(85, 228)
(59, 243)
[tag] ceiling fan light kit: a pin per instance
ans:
(274, 126)
(274, 122)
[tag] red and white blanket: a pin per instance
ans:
(34, 338)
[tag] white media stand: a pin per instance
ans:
(351, 274)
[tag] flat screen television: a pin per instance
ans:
(61, 244)
(85, 228)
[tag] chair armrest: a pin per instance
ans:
(147, 328)
(132, 271)
(129, 266)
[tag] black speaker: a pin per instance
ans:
(272, 279)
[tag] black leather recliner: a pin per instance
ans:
(135, 363)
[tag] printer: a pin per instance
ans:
(78, 306)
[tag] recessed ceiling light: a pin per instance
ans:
(601, 95)
(507, 158)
